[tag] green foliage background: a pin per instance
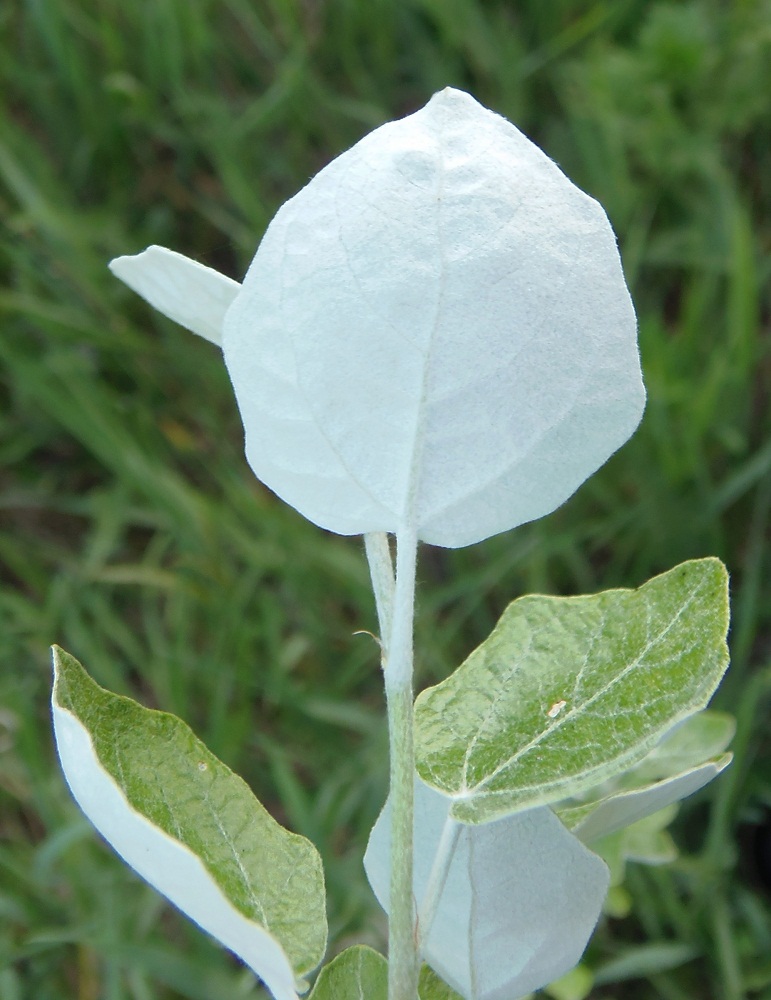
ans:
(132, 533)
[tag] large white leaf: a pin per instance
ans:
(435, 334)
(521, 897)
(191, 828)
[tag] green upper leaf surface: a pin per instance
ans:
(569, 691)
(358, 973)
(191, 827)
(431, 987)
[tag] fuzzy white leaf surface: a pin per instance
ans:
(619, 810)
(521, 898)
(193, 295)
(435, 334)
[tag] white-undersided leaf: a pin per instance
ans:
(692, 742)
(568, 692)
(520, 899)
(621, 808)
(358, 973)
(191, 828)
(193, 295)
(682, 762)
(435, 334)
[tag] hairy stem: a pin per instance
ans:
(402, 945)
(381, 571)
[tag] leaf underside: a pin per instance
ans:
(434, 333)
(520, 898)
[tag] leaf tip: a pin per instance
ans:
(122, 266)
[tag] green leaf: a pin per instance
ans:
(575, 985)
(191, 828)
(618, 903)
(431, 987)
(503, 907)
(645, 960)
(358, 973)
(646, 842)
(569, 691)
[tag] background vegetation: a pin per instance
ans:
(133, 533)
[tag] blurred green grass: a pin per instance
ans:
(132, 533)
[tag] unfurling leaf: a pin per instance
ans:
(191, 828)
(504, 907)
(568, 692)
(435, 333)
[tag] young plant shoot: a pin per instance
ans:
(434, 341)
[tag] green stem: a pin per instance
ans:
(402, 945)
